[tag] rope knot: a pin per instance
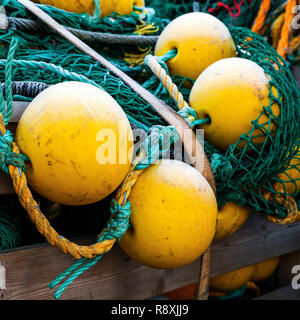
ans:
(118, 222)
(221, 165)
(157, 144)
(7, 156)
(189, 114)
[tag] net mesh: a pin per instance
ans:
(248, 174)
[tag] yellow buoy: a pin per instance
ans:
(107, 7)
(79, 142)
(292, 173)
(200, 40)
(236, 279)
(232, 92)
(231, 218)
(232, 280)
(174, 213)
(265, 269)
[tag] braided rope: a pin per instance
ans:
(295, 44)
(43, 225)
(155, 65)
(288, 202)
(8, 75)
(110, 38)
(166, 80)
(283, 43)
(261, 17)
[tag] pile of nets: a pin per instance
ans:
(238, 13)
(235, 13)
(245, 175)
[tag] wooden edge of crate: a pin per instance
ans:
(116, 276)
(284, 293)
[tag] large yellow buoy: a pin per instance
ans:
(292, 173)
(174, 213)
(200, 39)
(107, 7)
(232, 280)
(232, 93)
(231, 218)
(79, 142)
(265, 269)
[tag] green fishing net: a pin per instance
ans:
(10, 229)
(238, 13)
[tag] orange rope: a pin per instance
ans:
(285, 32)
(43, 225)
(276, 30)
(261, 17)
(289, 203)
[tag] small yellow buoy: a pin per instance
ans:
(231, 218)
(107, 7)
(200, 40)
(236, 279)
(232, 280)
(292, 173)
(233, 92)
(265, 269)
(79, 142)
(174, 213)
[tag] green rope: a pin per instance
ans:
(97, 12)
(7, 156)
(168, 55)
(119, 220)
(8, 75)
(230, 295)
(115, 229)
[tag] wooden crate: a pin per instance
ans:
(29, 270)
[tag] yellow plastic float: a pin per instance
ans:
(232, 280)
(236, 279)
(107, 7)
(265, 269)
(174, 214)
(232, 92)
(231, 218)
(200, 40)
(79, 142)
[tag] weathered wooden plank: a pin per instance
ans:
(285, 293)
(296, 73)
(29, 270)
